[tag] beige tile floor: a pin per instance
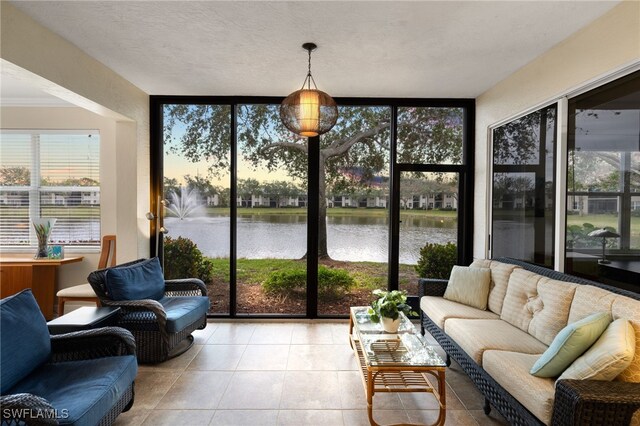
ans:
(282, 373)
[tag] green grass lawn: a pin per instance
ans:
(335, 211)
(370, 275)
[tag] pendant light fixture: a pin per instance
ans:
(309, 112)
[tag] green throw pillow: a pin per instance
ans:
(569, 344)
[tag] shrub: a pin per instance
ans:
(333, 281)
(183, 259)
(283, 282)
(330, 281)
(437, 260)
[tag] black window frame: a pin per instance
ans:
(465, 170)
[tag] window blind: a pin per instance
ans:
(15, 185)
(50, 174)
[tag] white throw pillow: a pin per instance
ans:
(609, 356)
(469, 286)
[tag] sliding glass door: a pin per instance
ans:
(523, 193)
(603, 185)
(429, 177)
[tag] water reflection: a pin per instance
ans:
(350, 238)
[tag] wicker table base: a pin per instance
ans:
(388, 376)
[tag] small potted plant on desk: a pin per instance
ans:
(386, 308)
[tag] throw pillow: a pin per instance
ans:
(569, 344)
(25, 343)
(609, 356)
(142, 280)
(469, 286)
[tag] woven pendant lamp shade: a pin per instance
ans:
(309, 112)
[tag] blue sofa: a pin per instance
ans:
(81, 378)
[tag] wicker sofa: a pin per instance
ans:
(80, 378)
(498, 346)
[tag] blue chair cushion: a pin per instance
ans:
(25, 342)
(142, 280)
(184, 310)
(81, 392)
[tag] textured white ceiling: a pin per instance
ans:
(395, 49)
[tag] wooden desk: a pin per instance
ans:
(18, 273)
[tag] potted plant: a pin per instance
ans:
(386, 308)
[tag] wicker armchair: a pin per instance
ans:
(39, 398)
(152, 321)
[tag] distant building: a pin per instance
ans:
(52, 198)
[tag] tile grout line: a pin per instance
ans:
(404, 406)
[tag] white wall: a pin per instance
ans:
(35, 55)
(608, 44)
(43, 59)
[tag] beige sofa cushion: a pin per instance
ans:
(475, 336)
(439, 310)
(469, 286)
(523, 287)
(550, 309)
(500, 273)
(628, 308)
(511, 371)
(481, 263)
(610, 355)
(589, 299)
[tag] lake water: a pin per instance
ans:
(350, 238)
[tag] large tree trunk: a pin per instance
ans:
(323, 253)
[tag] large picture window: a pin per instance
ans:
(50, 174)
(603, 181)
(238, 192)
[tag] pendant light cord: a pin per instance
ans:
(309, 72)
(309, 79)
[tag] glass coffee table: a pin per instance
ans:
(398, 362)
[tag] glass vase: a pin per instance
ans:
(43, 227)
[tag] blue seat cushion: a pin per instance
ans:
(184, 310)
(142, 280)
(25, 342)
(81, 392)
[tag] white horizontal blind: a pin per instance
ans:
(65, 184)
(15, 184)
